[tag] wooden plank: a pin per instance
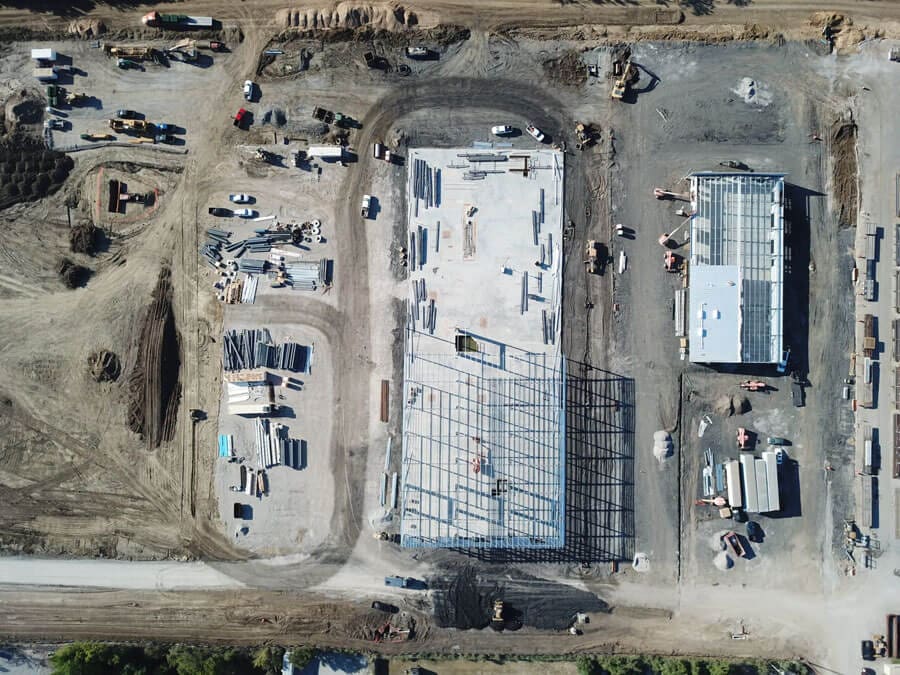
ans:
(385, 399)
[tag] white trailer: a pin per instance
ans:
(326, 151)
(771, 459)
(733, 482)
(748, 473)
(45, 74)
(762, 486)
(43, 54)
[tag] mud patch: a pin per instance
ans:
(843, 172)
(153, 385)
(568, 69)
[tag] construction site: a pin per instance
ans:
(434, 330)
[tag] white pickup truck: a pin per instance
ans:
(366, 203)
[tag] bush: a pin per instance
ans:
(302, 656)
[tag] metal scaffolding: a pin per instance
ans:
(483, 445)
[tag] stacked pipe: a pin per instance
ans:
(240, 350)
(289, 356)
(248, 292)
(252, 265)
(306, 275)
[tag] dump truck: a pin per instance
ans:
(869, 336)
(176, 21)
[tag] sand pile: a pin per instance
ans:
(348, 15)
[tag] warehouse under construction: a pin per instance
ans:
(737, 267)
(484, 375)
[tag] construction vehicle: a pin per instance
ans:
(671, 261)
(733, 542)
(497, 620)
(869, 336)
(76, 98)
(590, 257)
(754, 385)
(418, 52)
(185, 49)
(584, 136)
(365, 206)
(266, 156)
(131, 126)
(659, 193)
(136, 52)
(625, 73)
(175, 21)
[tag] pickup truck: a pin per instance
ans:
(366, 204)
(405, 582)
(219, 211)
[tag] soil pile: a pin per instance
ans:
(567, 69)
(104, 366)
(153, 384)
(348, 15)
(87, 28)
(843, 168)
(83, 239)
(71, 274)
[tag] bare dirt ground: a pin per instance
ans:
(76, 480)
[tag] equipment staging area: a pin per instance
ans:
(483, 417)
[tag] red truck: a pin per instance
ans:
(240, 119)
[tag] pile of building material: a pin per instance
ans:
(252, 349)
(281, 266)
(274, 447)
(426, 185)
(428, 309)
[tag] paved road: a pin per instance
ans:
(118, 574)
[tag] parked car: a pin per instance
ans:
(867, 648)
(754, 532)
(240, 198)
(536, 133)
(240, 119)
(165, 127)
(165, 138)
(219, 211)
(502, 130)
(126, 114)
(778, 440)
(245, 213)
(55, 124)
(248, 89)
(385, 607)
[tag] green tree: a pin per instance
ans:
(623, 665)
(718, 667)
(268, 659)
(301, 656)
(586, 665)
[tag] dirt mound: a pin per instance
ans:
(348, 15)
(726, 406)
(24, 111)
(153, 384)
(71, 274)
(83, 239)
(86, 28)
(843, 171)
(567, 69)
(104, 366)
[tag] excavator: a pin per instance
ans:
(625, 73)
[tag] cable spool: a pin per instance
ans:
(315, 230)
(316, 224)
(317, 238)
(307, 240)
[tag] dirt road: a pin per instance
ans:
(497, 14)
